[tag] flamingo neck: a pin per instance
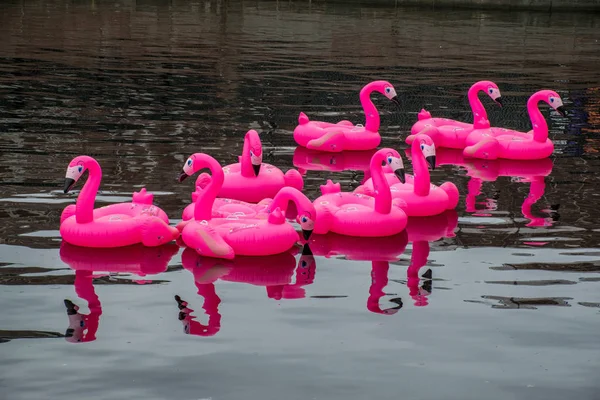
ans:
(282, 199)
(379, 280)
(540, 126)
(474, 190)
(383, 195)
(422, 180)
(205, 200)
(418, 258)
(246, 162)
(536, 191)
(84, 208)
(371, 113)
(475, 102)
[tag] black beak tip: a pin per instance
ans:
(499, 101)
(182, 176)
(68, 185)
(396, 100)
(256, 169)
(561, 110)
(400, 174)
(306, 233)
(431, 162)
(306, 251)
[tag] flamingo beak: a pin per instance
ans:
(400, 174)
(182, 176)
(561, 110)
(68, 184)
(499, 101)
(306, 233)
(396, 100)
(306, 251)
(431, 161)
(256, 169)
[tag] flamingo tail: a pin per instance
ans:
(294, 179)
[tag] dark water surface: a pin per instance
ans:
(508, 307)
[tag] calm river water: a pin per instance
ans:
(502, 304)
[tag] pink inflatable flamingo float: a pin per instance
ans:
(115, 225)
(250, 179)
(135, 259)
(267, 234)
(452, 133)
(515, 145)
(272, 272)
(418, 197)
(344, 135)
(314, 160)
(355, 214)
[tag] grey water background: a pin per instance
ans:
(512, 312)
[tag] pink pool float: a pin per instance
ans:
(344, 135)
(115, 225)
(453, 133)
(355, 214)
(315, 160)
(418, 197)
(90, 264)
(266, 234)
(250, 179)
(515, 145)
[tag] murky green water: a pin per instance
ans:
(506, 307)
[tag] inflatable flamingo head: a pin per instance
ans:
(427, 147)
(254, 149)
(306, 214)
(392, 158)
(195, 163)
(385, 88)
(490, 88)
(553, 99)
(75, 170)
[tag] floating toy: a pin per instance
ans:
(418, 197)
(90, 264)
(314, 160)
(453, 133)
(355, 214)
(115, 225)
(274, 273)
(515, 145)
(250, 179)
(229, 208)
(227, 237)
(344, 135)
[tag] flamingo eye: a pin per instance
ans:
(303, 264)
(389, 160)
(491, 90)
(251, 153)
(80, 168)
(304, 219)
(422, 147)
(189, 162)
(551, 99)
(388, 89)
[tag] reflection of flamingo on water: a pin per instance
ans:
(273, 272)
(419, 230)
(532, 171)
(315, 160)
(136, 259)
